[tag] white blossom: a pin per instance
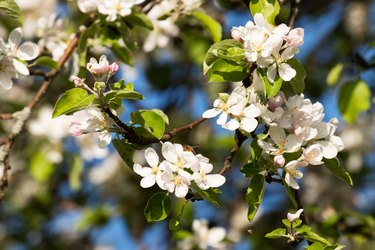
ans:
(293, 173)
(295, 216)
(114, 8)
(87, 6)
(152, 174)
(283, 143)
(205, 180)
(176, 182)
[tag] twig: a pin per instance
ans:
(175, 131)
(6, 116)
(294, 12)
(240, 138)
(22, 116)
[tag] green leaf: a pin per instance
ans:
(298, 82)
(334, 166)
(210, 195)
(254, 195)
(158, 207)
(139, 19)
(75, 173)
(335, 74)
(255, 163)
(314, 237)
(47, 61)
(271, 89)
(41, 168)
(175, 224)
(315, 246)
(149, 120)
(212, 26)
(122, 53)
(71, 101)
(162, 115)
(94, 217)
(11, 10)
(269, 8)
(222, 46)
(227, 71)
(126, 150)
(354, 98)
(277, 233)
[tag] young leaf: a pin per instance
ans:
(227, 71)
(269, 8)
(175, 224)
(212, 26)
(122, 53)
(354, 98)
(158, 207)
(149, 120)
(315, 246)
(12, 11)
(47, 61)
(277, 233)
(334, 166)
(270, 88)
(334, 74)
(71, 101)
(209, 195)
(313, 237)
(212, 53)
(139, 19)
(298, 82)
(254, 195)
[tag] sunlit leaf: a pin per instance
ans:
(158, 207)
(71, 101)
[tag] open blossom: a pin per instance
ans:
(204, 237)
(115, 8)
(176, 182)
(202, 177)
(281, 143)
(95, 122)
(151, 174)
(293, 173)
(87, 6)
(12, 55)
(101, 69)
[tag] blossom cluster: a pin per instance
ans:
(237, 110)
(110, 8)
(13, 55)
(270, 46)
(176, 173)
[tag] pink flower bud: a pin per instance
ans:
(236, 35)
(279, 160)
(295, 37)
(276, 101)
(75, 129)
(78, 82)
(113, 68)
(100, 68)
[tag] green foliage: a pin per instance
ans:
(75, 173)
(212, 26)
(298, 82)
(270, 89)
(139, 19)
(71, 101)
(225, 62)
(255, 163)
(41, 168)
(126, 150)
(334, 74)
(175, 224)
(269, 8)
(158, 207)
(254, 195)
(122, 53)
(210, 195)
(334, 166)
(289, 191)
(153, 122)
(11, 10)
(94, 217)
(354, 98)
(277, 233)
(315, 246)
(47, 62)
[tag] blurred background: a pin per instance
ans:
(66, 193)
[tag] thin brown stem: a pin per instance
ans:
(294, 13)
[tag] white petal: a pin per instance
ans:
(211, 113)
(252, 111)
(148, 181)
(20, 67)
(28, 51)
(266, 146)
(249, 124)
(215, 235)
(277, 134)
(181, 190)
(5, 81)
(232, 125)
(291, 181)
(169, 152)
(337, 142)
(152, 157)
(15, 38)
(328, 149)
(292, 144)
(104, 139)
(271, 72)
(215, 180)
(288, 53)
(222, 118)
(206, 167)
(286, 72)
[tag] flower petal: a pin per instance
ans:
(211, 113)
(15, 38)
(181, 190)
(28, 51)
(6, 81)
(169, 152)
(271, 72)
(152, 157)
(215, 180)
(286, 72)
(20, 67)
(148, 181)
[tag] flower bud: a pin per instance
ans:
(78, 82)
(100, 68)
(279, 160)
(295, 37)
(99, 85)
(276, 101)
(236, 35)
(293, 217)
(75, 129)
(113, 68)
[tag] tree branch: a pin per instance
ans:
(294, 12)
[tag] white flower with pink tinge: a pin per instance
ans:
(101, 69)
(12, 55)
(115, 8)
(152, 174)
(95, 122)
(281, 143)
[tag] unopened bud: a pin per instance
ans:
(75, 129)
(236, 34)
(113, 68)
(99, 85)
(276, 101)
(279, 160)
(295, 37)
(293, 217)
(78, 82)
